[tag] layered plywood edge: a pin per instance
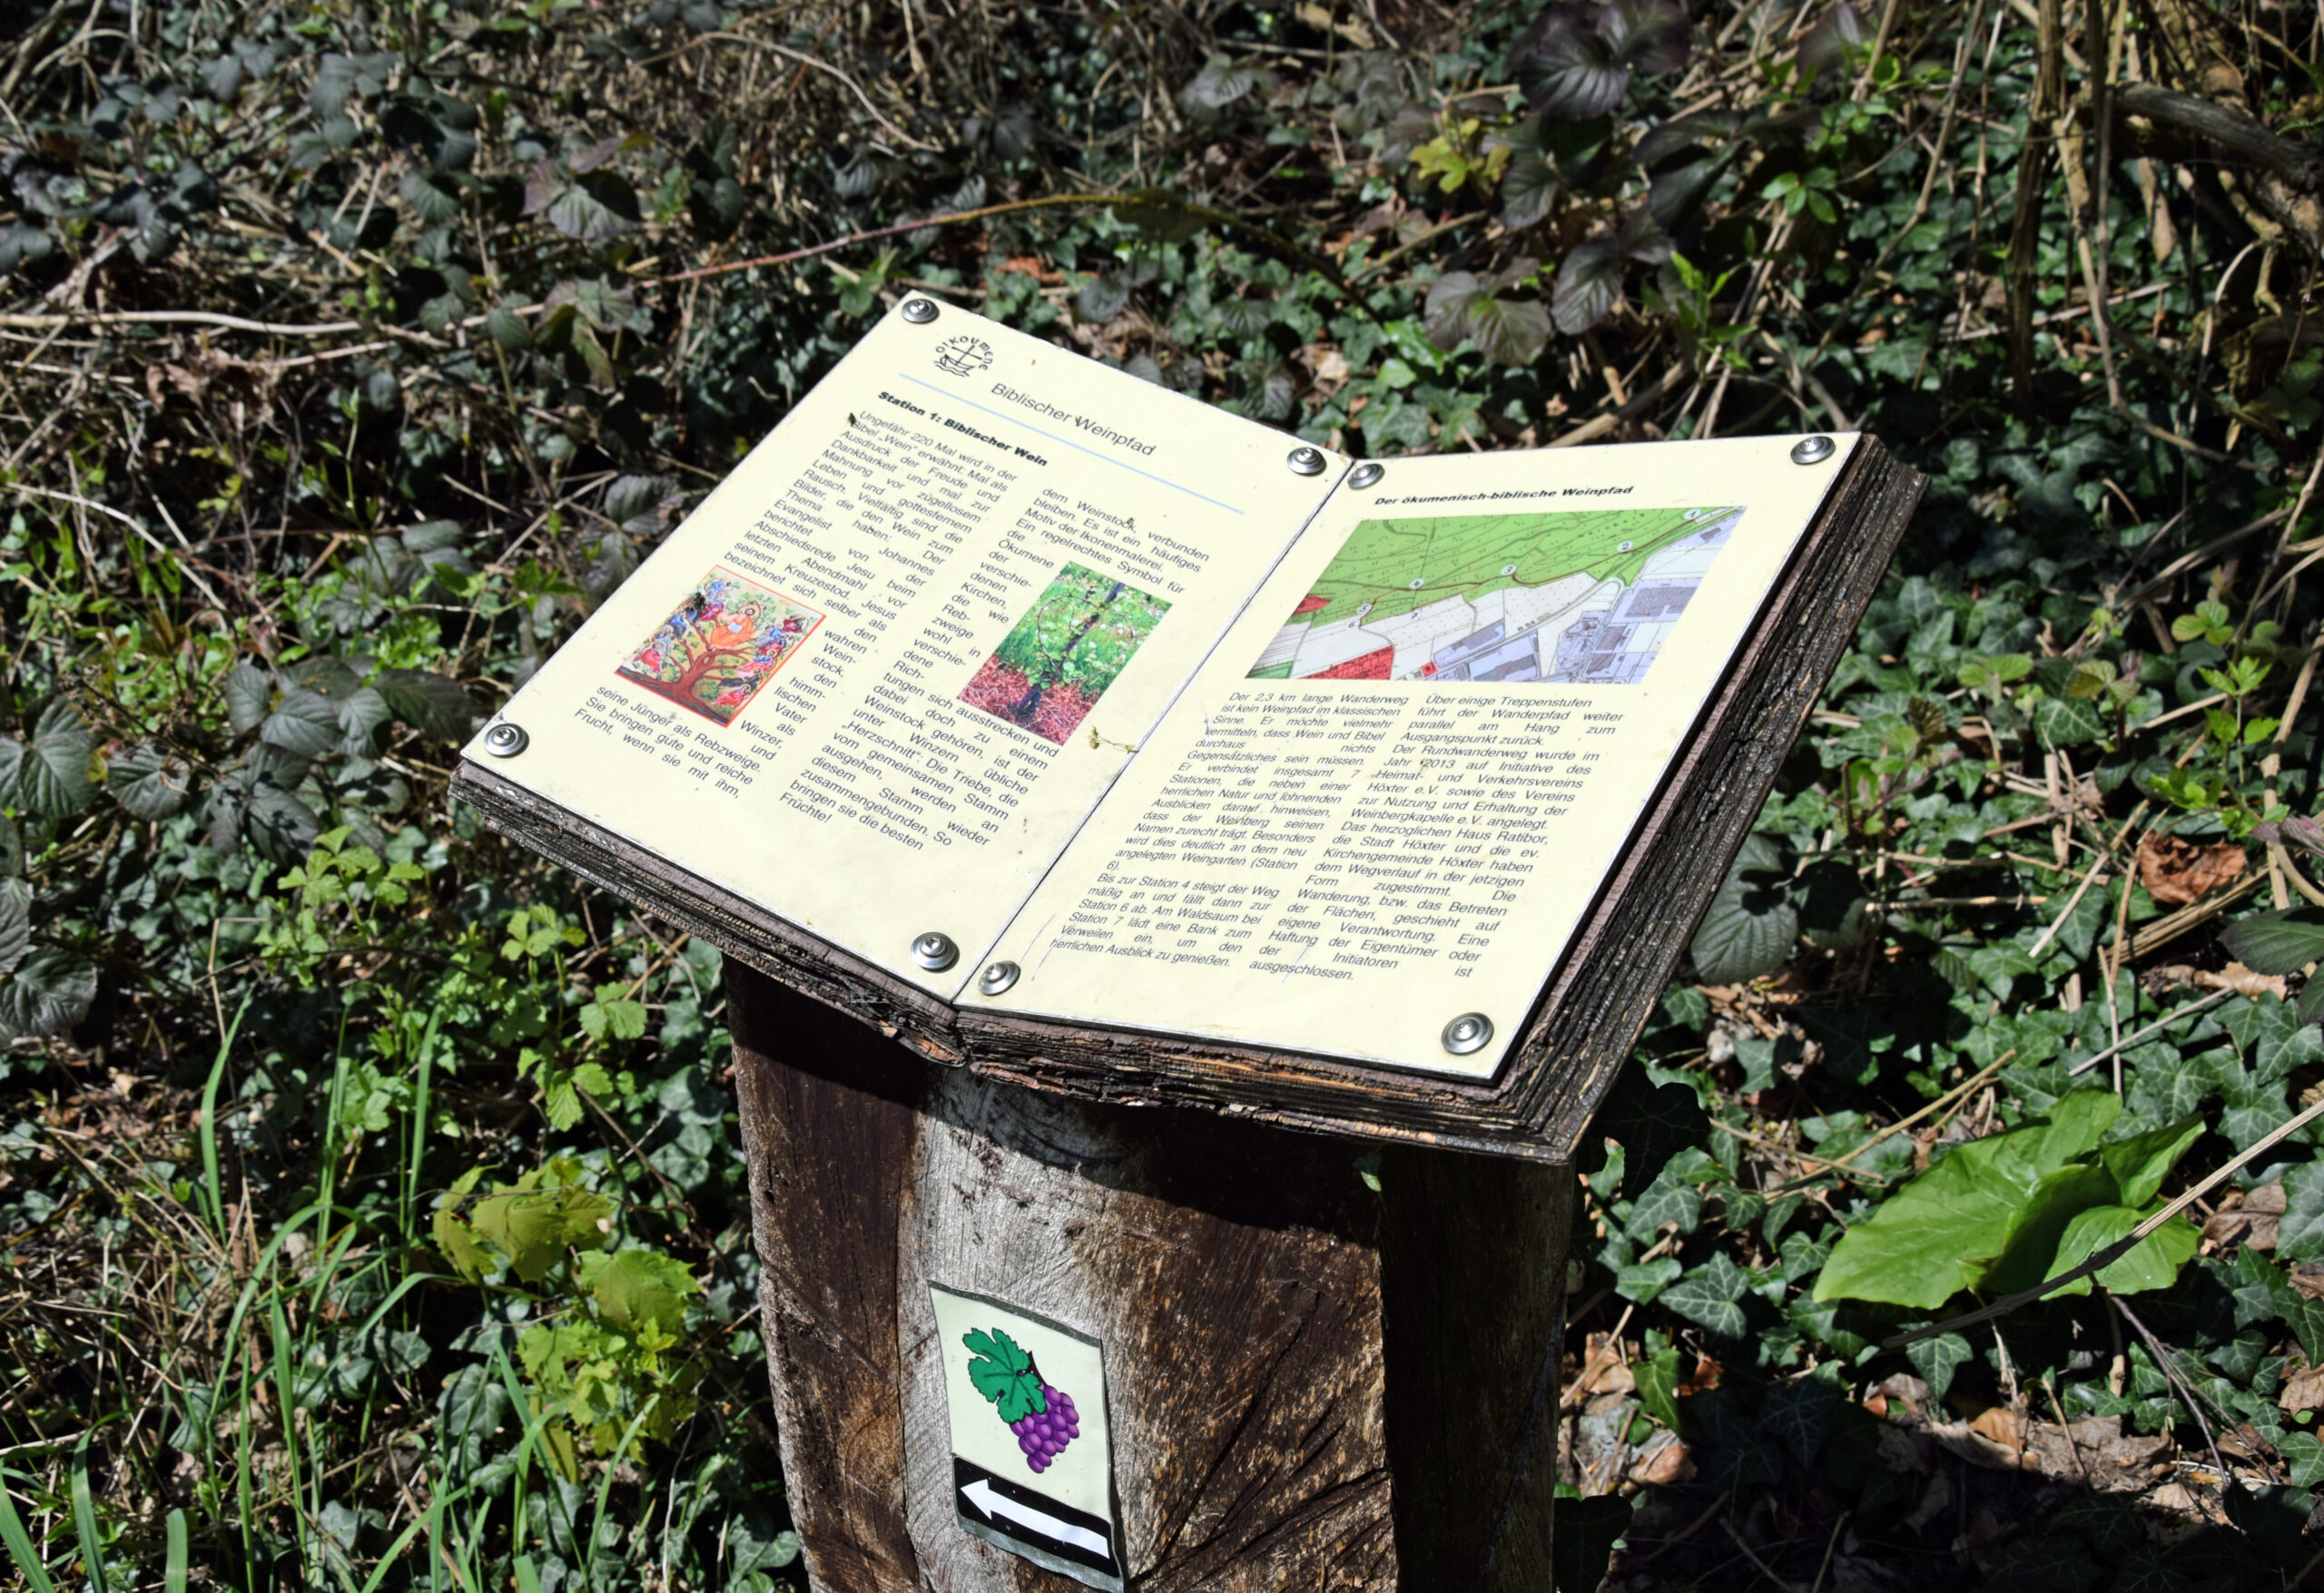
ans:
(1590, 1010)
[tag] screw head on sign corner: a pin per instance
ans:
(1812, 450)
(505, 740)
(1467, 1033)
(920, 311)
(935, 951)
(1305, 461)
(1365, 476)
(998, 978)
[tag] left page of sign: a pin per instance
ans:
(877, 680)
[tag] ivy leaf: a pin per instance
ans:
(148, 784)
(48, 993)
(2300, 1231)
(637, 1288)
(1937, 1359)
(535, 1227)
(1589, 285)
(433, 705)
(2279, 942)
(1708, 1294)
(2066, 721)
(1655, 1379)
(50, 776)
(1800, 1414)
(1651, 1123)
(11, 846)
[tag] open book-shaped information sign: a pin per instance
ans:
(1072, 728)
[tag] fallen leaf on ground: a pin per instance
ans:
(1959, 1438)
(2177, 871)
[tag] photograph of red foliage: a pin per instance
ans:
(1051, 668)
(725, 640)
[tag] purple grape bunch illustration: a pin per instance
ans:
(1042, 1417)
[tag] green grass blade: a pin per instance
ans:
(85, 1518)
(20, 1544)
(173, 1565)
(214, 1191)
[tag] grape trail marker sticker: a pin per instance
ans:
(1032, 1464)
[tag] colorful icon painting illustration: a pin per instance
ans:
(1056, 662)
(725, 640)
(1042, 1418)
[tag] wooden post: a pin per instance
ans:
(1312, 1384)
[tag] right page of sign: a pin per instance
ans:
(1393, 790)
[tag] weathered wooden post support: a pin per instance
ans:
(1308, 1383)
(1185, 895)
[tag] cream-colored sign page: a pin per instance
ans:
(1385, 803)
(879, 678)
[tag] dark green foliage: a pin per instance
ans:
(259, 583)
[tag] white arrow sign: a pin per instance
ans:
(981, 1494)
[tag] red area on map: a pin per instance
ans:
(1372, 666)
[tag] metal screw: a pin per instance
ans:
(1467, 1033)
(1365, 476)
(920, 311)
(935, 951)
(505, 740)
(1305, 461)
(998, 978)
(1812, 450)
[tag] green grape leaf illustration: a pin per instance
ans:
(1004, 1373)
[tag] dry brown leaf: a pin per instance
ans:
(1961, 1439)
(2000, 1424)
(1663, 1465)
(2176, 871)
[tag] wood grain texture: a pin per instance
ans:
(1231, 1276)
(1311, 1386)
(1473, 1275)
(1593, 1004)
(828, 1121)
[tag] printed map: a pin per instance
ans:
(1584, 597)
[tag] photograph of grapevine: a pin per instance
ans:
(1060, 657)
(1042, 1418)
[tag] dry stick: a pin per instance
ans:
(2121, 1247)
(1796, 1156)
(2165, 1021)
(2171, 1374)
(1958, 1090)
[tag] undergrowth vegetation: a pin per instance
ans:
(371, 1205)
